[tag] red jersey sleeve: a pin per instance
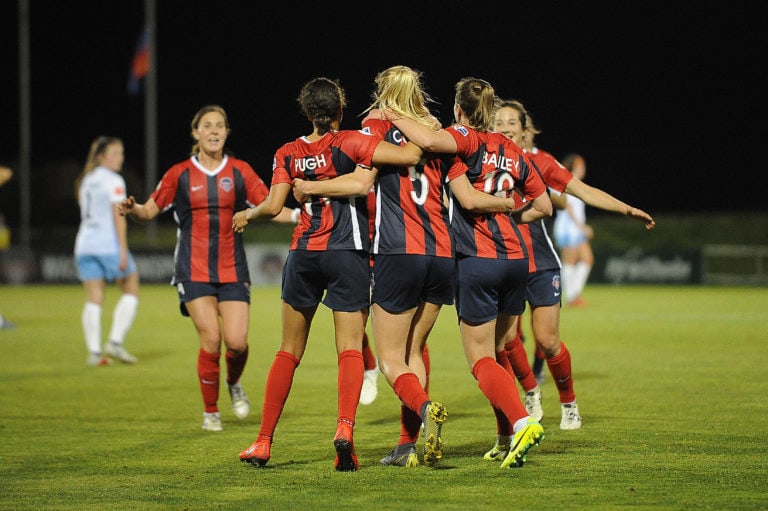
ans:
(165, 192)
(377, 127)
(533, 184)
(366, 147)
(466, 140)
(280, 171)
(552, 171)
(456, 167)
(256, 189)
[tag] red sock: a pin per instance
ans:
(518, 359)
(208, 375)
(408, 389)
(369, 359)
(560, 368)
(499, 387)
(350, 381)
(502, 358)
(279, 381)
(235, 365)
(503, 427)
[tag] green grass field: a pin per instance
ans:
(671, 384)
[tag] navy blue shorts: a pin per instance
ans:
(402, 281)
(343, 275)
(227, 292)
(544, 288)
(487, 287)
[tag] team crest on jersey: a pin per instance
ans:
(226, 184)
(461, 129)
(556, 282)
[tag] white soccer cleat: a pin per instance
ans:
(96, 359)
(533, 403)
(118, 351)
(241, 406)
(570, 416)
(212, 421)
(370, 389)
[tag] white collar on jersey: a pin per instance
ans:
(205, 170)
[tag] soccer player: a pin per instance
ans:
(329, 254)
(572, 235)
(492, 262)
(543, 289)
(414, 268)
(101, 251)
(211, 273)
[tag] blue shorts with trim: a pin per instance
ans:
(107, 267)
(403, 281)
(544, 288)
(224, 292)
(487, 287)
(343, 275)
(569, 238)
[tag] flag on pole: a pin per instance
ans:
(139, 64)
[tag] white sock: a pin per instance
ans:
(581, 274)
(92, 327)
(567, 274)
(122, 317)
(520, 424)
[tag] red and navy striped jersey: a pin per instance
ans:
(336, 223)
(542, 254)
(411, 216)
(495, 165)
(203, 203)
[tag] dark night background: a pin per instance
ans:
(663, 101)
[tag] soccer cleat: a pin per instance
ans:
(258, 453)
(528, 436)
(499, 452)
(240, 404)
(95, 360)
(434, 417)
(401, 456)
(346, 458)
(578, 302)
(212, 421)
(533, 403)
(117, 351)
(570, 416)
(370, 387)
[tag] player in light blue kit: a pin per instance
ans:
(573, 235)
(101, 251)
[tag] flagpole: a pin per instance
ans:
(25, 116)
(150, 112)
